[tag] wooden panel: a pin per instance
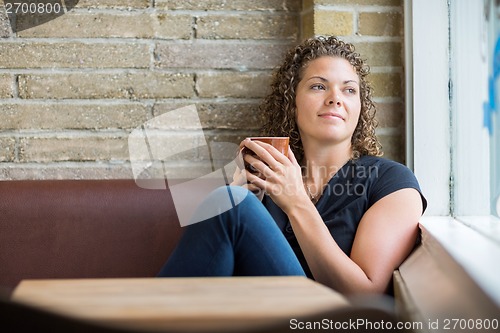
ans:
(215, 304)
(434, 284)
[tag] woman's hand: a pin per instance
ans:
(279, 176)
(240, 176)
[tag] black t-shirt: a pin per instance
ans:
(347, 196)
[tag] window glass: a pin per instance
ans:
(492, 106)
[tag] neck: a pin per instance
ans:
(321, 163)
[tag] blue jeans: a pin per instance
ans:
(244, 241)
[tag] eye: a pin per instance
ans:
(318, 86)
(351, 91)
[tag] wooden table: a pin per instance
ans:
(186, 304)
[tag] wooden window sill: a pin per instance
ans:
(453, 274)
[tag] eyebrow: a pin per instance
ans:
(354, 81)
(325, 80)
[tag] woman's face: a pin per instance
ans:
(328, 101)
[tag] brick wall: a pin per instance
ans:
(72, 89)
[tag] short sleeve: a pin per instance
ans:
(391, 177)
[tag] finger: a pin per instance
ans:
(261, 168)
(239, 177)
(266, 152)
(259, 193)
(291, 156)
(242, 143)
(256, 181)
(275, 153)
(239, 159)
(252, 188)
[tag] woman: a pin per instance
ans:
(333, 210)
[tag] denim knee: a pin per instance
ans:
(221, 200)
(237, 193)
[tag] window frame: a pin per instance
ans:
(428, 140)
(445, 145)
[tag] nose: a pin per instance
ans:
(334, 99)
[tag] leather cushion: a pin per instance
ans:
(83, 229)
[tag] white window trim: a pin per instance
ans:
(452, 162)
(427, 101)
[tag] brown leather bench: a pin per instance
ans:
(92, 229)
(83, 229)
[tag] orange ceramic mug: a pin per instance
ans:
(278, 142)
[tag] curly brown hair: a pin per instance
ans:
(279, 109)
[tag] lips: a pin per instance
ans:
(331, 115)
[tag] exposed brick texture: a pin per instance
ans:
(74, 55)
(219, 55)
(7, 149)
(333, 22)
(235, 85)
(82, 85)
(6, 86)
(73, 148)
(73, 89)
(224, 115)
(236, 5)
(360, 2)
(381, 54)
(245, 26)
(381, 24)
(72, 116)
(121, 24)
(120, 4)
